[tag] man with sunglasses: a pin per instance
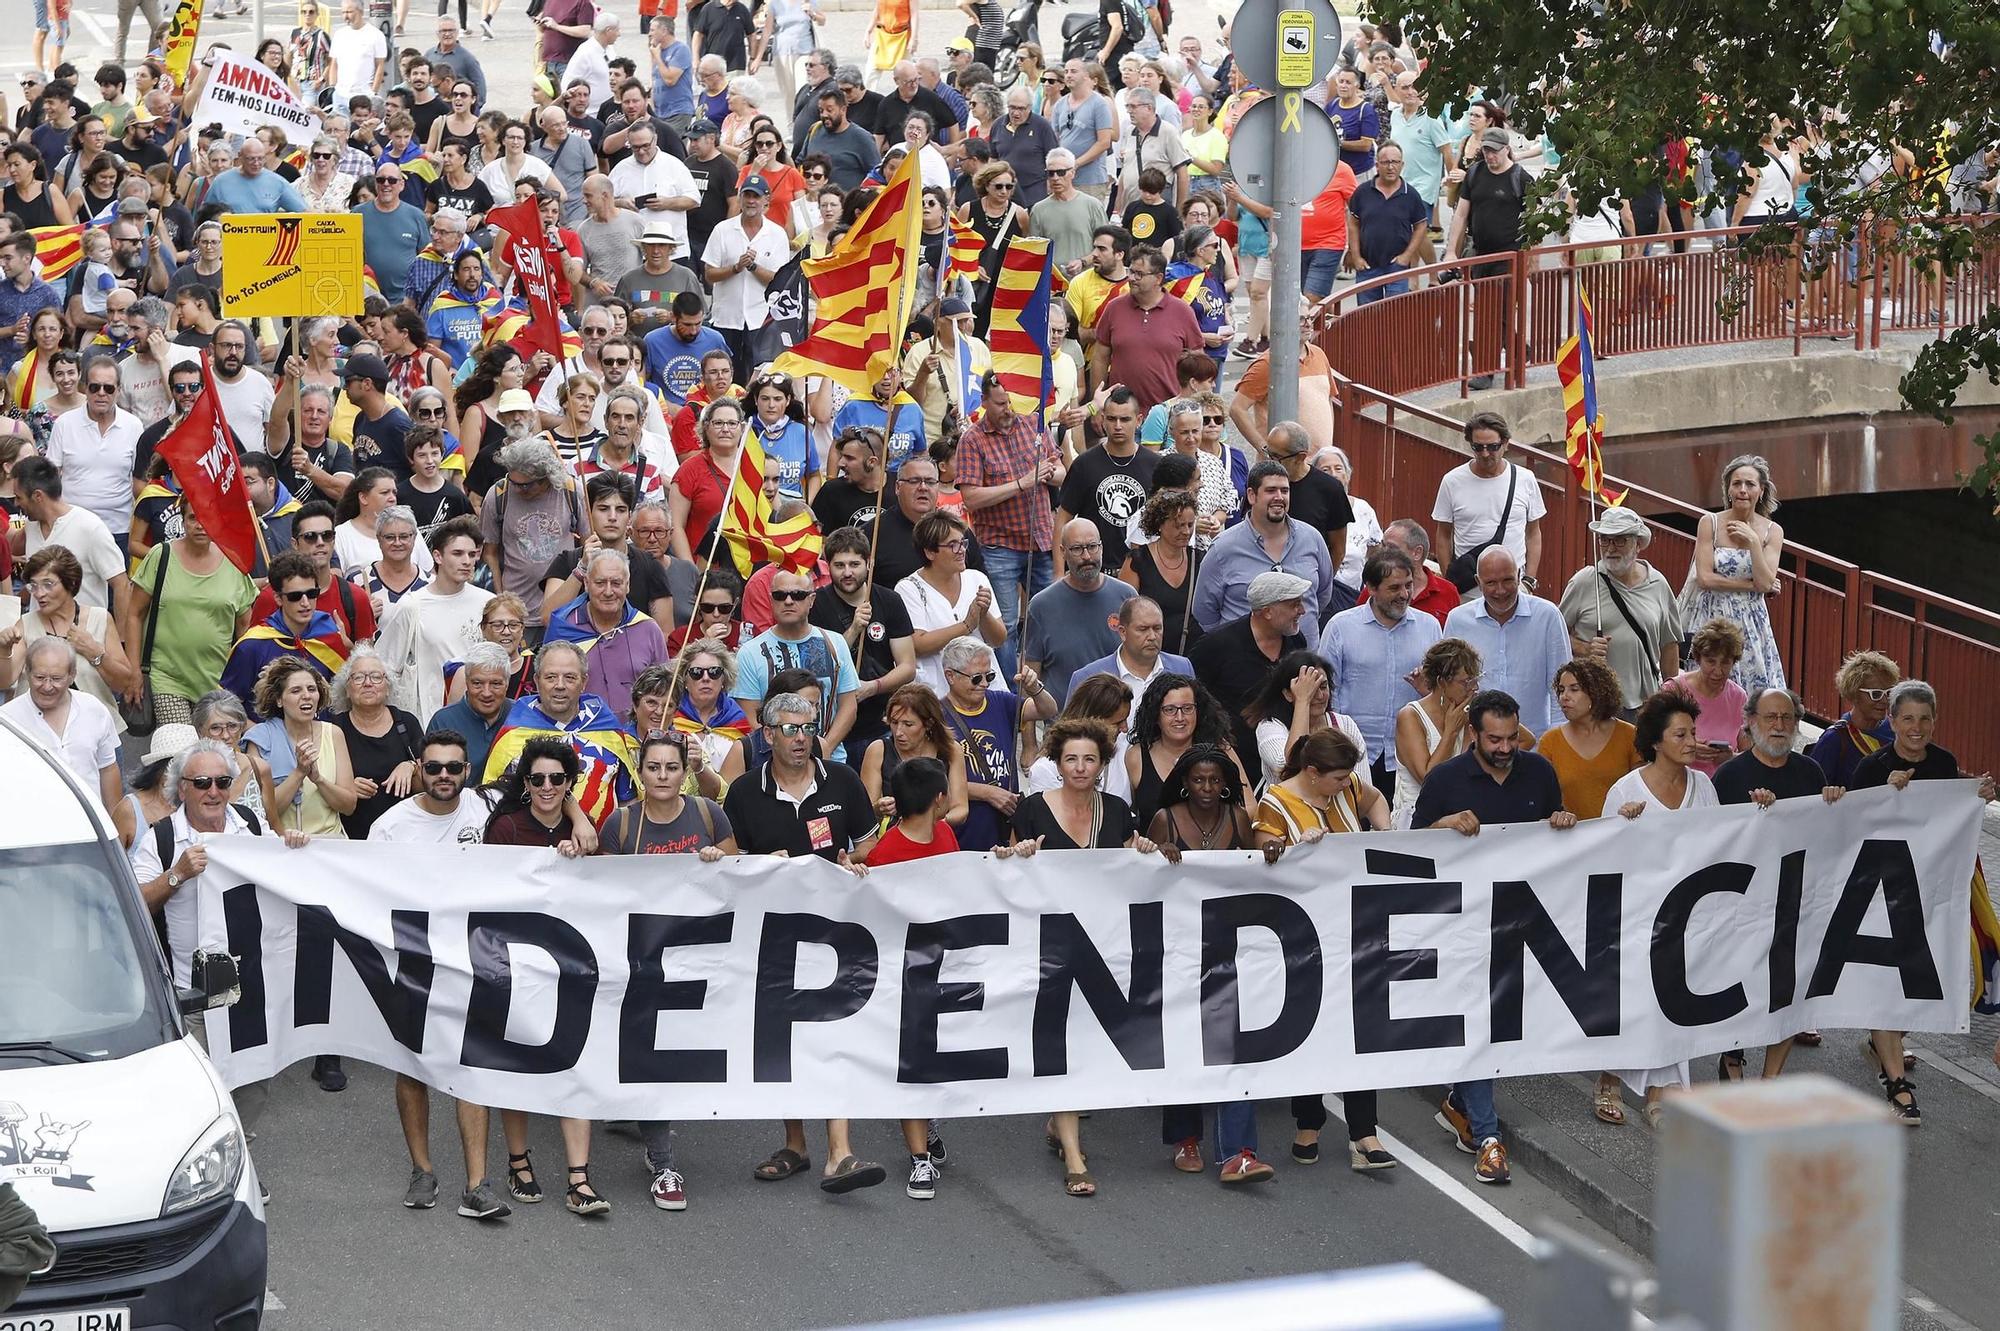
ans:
(312, 537)
(94, 449)
(794, 643)
(1488, 501)
(298, 627)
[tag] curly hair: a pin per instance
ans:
(513, 784)
(1449, 657)
(1656, 714)
(1855, 671)
(1718, 637)
(1211, 725)
(1162, 508)
(273, 678)
(1068, 728)
(1599, 684)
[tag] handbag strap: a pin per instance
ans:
(153, 609)
(1507, 505)
(1618, 599)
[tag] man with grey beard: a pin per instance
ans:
(1622, 612)
(1069, 622)
(1768, 771)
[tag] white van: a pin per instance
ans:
(113, 1125)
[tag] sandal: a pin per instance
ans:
(582, 1198)
(852, 1174)
(1079, 1185)
(1907, 1114)
(780, 1164)
(1729, 1068)
(1305, 1153)
(521, 1183)
(1610, 1107)
(1810, 1039)
(1655, 1111)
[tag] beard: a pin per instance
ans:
(1775, 747)
(1619, 565)
(517, 430)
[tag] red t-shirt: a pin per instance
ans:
(1323, 222)
(1146, 344)
(895, 848)
(702, 483)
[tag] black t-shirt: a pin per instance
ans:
(725, 31)
(1109, 491)
(842, 503)
(1152, 223)
(1496, 199)
(1106, 10)
(670, 140)
(1228, 663)
(891, 112)
(890, 624)
(1937, 764)
(426, 114)
(473, 200)
(328, 457)
(379, 443)
(145, 155)
(1034, 818)
(149, 443)
(648, 581)
(433, 510)
(896, 555)
(1320, 501)
(1799, 777)
(375, 757)
(715, 186)
(835, 817)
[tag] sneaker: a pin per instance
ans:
(670, 1191)
(923, 1178)
(1491, 1167)
(486, 28)
(329, 1073)
(1187, 1156)
(422, 1194)
(480, 1204)
(934, 1145)
(263, 1193)
(1245, 1167)
(1453, 1120)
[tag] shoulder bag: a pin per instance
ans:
(138, 716)
(1464, 570)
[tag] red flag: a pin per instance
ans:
(203, 456)
(527, 252)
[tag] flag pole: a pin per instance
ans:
(701, 583)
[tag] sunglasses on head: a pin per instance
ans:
(792, 594)
(207, 782)
(545, 779)
(435, 768)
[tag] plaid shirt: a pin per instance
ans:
(1022, 521)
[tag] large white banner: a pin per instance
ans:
(758, 988)
(243, 96)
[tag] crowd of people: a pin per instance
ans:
(494, 604)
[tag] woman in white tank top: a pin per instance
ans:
(1433, 728)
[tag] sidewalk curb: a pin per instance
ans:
(1576, 1174)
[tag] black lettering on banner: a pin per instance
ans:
(488, 936)
(1223, 1040)
(1784, 962)
(648, 993)
(781, 1004)
(918, 1058)
(1884, 864)
(1377, 966)
(1135, 1022)
(1678, 1003)
(244, 926)
(1587, 987)
(403, 999)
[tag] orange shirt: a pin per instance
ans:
(1323, 222)
(1585, 782)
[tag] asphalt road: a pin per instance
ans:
(345, 1253)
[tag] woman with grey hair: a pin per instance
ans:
(382, 741)
(323, 186)
(220, 715)
(1913, 709)
(745, 98)
(1734, 573)
(357, 547)
(397, 573)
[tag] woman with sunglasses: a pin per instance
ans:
(781, 429)
(705, 711)
(459, 125)
(715, 612)
(917, 729)
(312, 53)
(995, 216)
(653, 714)
(768, 158)
(323, 185)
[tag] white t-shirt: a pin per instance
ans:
(423, 631)
(246, 405)
(496, 178)
(96, 464)
(409, 821)
(357, 52)
(89, 742)
(83, 534)
(1363, 534)
(1471, 504)
(183, 908)
(928, 611)
(739, 299)
(663, 177)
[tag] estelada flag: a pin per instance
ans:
(1583, 422)
(527, 251)
(177, 47)
(202, 453)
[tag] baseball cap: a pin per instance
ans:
(701, 125)
(366, 366)
(755, 185)
(958, 44)
(1495, 137)
(1275, 588)
(659, 231)
(953, 308)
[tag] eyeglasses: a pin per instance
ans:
(395, 536)
(1177, 709)
(545, 779)
(1051, 78)
(765, 143)
(295, 598)
(311, 537)
(794, 729)
(920, 481)
(207, 782)
(372, 677)
(954, 547)
(980, 680)
(505, 625)
(704, 672)
(444, 769)
(792, 595)
(1004, 185)
(105, 390)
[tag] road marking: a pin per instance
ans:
(1931, 1308)
(272, 1303)
(1455, 1189)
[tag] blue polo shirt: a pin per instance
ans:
(1387, 223)
(1531, 792)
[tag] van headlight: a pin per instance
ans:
(210, 1168)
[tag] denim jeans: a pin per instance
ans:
(1005, 569)
(658, 1135)
(1382, 292)
(1320, 269)
(1476, 1099)
(1235, 1126)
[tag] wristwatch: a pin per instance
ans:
(97, 661)
(174, 881)
(1528, 581)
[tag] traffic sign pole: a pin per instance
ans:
(1295, 72)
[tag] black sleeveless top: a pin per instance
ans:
(1146, 793)
(36, 213)
(1228, 823)
(1181, 631)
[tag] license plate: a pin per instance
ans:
(85, 1319)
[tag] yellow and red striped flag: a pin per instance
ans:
(1576, 368)
(1018, 332)
(965, 247)
(59, 248)
(793, 544)
(865, 291)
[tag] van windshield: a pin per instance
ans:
(74, 962)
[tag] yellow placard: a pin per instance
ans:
(291, 265)
(1295, 48)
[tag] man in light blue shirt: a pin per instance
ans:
(1522, 640)
(793, 642)
(249, 188)
(1423, 138)
(1373, 649)
(1270, 540)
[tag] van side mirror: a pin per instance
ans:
(217, 983)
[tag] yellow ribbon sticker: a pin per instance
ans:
(1288, 122)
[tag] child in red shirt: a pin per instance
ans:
(919, 787)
